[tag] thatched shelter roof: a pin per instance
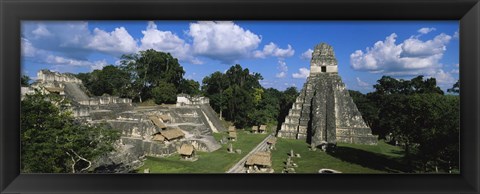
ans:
(158, 137)
(170, 134)
(157, 122)
(263, 127)
(259, 158)
(231, 128)
(255, 128)
(186, 149)
(272, 140)
(165, 118)
(232, 134)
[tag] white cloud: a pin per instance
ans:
(224, 40)
(116, 42)
(456, 34)
(58, 60)
(167, 41)
(281, 74)
(74, 39)
(28, 50)
(302, 73)
(362, 83)
(411, 57)
(413, 47)
(41, 31)
(98, 65)
(271, 49)
(283, 68)
(444, 79)
(425, 30)
(307, 55)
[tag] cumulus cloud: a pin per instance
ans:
(456, 34)
(271, 49)
(362, 83)
(40, 31)
(223, 41)
(166, 41)
(307, 55)
(116, 42)
(73, 39)
(444, 79)
(58, 60)
(302, 73)
(282, 67)
(281, 74)
(28, 50)
(411, 57)
(425, 30)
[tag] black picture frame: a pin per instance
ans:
(14, 11)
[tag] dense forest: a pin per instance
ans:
(415, 114)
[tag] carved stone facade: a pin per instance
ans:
(324, 113)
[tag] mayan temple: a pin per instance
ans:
(324, 113)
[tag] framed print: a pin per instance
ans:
(239, 96)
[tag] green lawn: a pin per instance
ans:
(348, 158)
(218, 161)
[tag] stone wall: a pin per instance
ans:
(49, 76)
(184, 99)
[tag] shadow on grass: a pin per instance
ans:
(371, 160)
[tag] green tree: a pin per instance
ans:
(455, 88)
(25, 81)
(164, 93)
(190, 87)
(234, 93)
(53, 142)
(267, 109)
(213, 87)
(148, 69)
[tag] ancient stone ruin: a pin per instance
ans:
(145, 130)
(324, 113)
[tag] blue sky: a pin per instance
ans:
(279, 50)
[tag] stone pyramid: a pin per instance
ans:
(324, 113)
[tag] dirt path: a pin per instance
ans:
(239, 166)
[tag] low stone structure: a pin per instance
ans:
(324, 112)
(185, 99)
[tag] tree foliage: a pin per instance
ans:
(164, 93)
(109, 80)
(53, 142)
(148, 69)
(137, 77)
(417, 115)
(25, 81)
